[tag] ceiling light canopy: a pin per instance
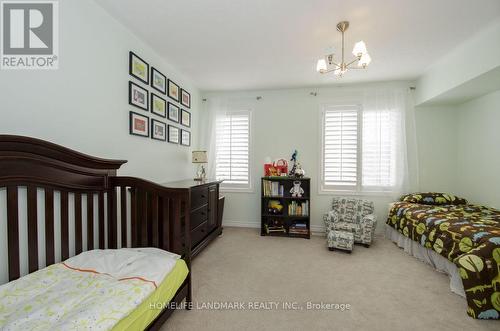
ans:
(327, 63)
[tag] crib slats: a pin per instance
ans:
(90, 221)
(176, 226)
(32, 229)
(133, 217)
(165, 228)
(64, 226)
(101, 220)
(154, 219)
(112, 222)
(49, 226)
(143, 219)
(123, 209)
(78, 223)
(13, 232)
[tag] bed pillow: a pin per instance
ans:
(433, 198)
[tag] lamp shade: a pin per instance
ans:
(321, 65)
(200, 157)
(359, 49)
(365, 60)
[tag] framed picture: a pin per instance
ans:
(185, 138)
(173, 134)
(158, 130)
(158, 81)
(185, 118)
(173, 112)
(138, 68)
(173, 90)
(185, 98)
(139, 124)
(158, 105)
(137, 96)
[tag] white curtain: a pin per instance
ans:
(212, 109)
(388, 140)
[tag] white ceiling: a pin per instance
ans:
(257, 44)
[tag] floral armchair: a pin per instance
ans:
(352, 215)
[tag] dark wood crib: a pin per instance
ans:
(115, 211)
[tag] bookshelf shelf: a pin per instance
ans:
(275, 194)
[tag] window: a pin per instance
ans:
(233, 150)
(360, 149)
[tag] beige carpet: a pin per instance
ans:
(386, 288)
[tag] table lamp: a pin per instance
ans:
(200, 157)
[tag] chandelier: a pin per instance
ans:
(327, 63)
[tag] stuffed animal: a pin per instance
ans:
(299, 172)
(296, 190)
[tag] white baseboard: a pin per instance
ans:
(316, 230)
(242, 224)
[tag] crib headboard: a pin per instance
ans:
(58, 186)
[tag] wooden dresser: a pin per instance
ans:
(204, 211)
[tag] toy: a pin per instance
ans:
(282, 166)
(296, 190)
(294, 159)
(274, 207)
(272, 171)
(299, 172)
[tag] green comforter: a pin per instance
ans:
(469, 236)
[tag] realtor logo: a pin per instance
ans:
(29, 35)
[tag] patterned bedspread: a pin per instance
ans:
(469, 236)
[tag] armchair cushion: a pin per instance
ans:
(347, 226)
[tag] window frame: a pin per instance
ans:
(239, 188)
(357, 189)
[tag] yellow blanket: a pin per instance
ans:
(141, 317)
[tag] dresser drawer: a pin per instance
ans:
(199, 197)
(198, 216)
(198, 233)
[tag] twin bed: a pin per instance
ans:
(116, 249)
(455, 237)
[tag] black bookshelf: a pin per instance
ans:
(294, 219)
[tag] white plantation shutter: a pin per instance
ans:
(232, 146)
(362, 148)
(380, 148)
(340, 147)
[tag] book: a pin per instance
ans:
(272, 189)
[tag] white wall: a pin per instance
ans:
(284, 120)
(478, 144)
(84, 104)
(470, 60)
(437, 148)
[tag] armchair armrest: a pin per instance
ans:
(330, 218)
(370, 219)
(368, 225)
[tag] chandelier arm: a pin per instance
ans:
(353, 61)
(327, 71)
